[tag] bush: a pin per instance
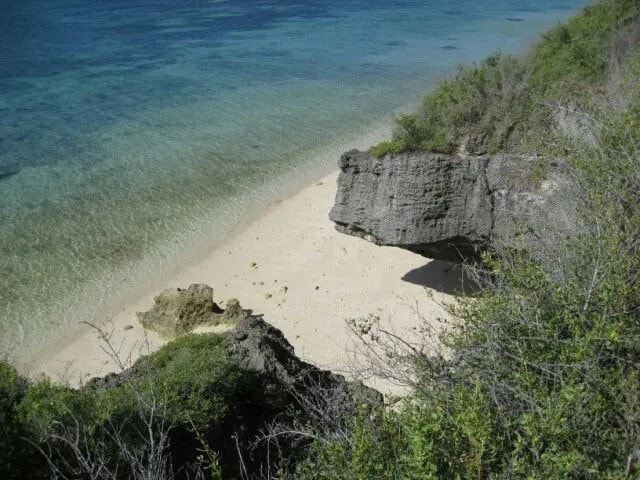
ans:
(198, 395)
(191, 376)
(28, 412)
(502, 104)
(12, 447)
(481, 108)
(572, 56)
(372, 451)
(46, 404)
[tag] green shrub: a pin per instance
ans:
(191, 377)
(372, 451)
(12, 447)
(28, 412)
(187, 390)
(572, 55)
(13, 387)
(503, 103)
(46, 404)
(483, 106)
(193, 388)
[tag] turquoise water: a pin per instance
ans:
(133, 133)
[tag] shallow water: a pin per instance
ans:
(133, 134)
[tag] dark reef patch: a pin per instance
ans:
(4, 174)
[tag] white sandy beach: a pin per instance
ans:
(328, 276)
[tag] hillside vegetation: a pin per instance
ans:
(540, 376)
(506, 102)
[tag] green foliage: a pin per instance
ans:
(46, 404)
(372, 452)
(191, 377)
(28, 411)
(421, 441)
(189, 384)
(208, 459)
(12, 388)
(486, 104)
(572, 55)
(453, 442)
(12, 447)
(501, 104)
(622, 127)
(390, 147)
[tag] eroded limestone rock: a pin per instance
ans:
(452, 207)
(177, 311)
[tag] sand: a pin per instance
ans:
(329, 278)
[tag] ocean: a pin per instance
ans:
(136, 133)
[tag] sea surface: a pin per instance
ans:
(136, 133)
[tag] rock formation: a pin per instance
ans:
(452, 207)
(177, 311)
(257, 346)
(263, 385)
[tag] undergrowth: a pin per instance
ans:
(540, 378)
(506, 102)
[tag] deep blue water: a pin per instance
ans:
(133, 133)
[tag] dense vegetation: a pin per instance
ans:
(539, 379)
(112, 423)
(543, 376)
(506, 102)
(162, 413)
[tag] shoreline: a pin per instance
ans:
(109, 290)
(127, 290)
(329, 276)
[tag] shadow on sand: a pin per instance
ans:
(441, 276)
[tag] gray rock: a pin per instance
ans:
(257, 346)
(476, 144)
(177, 311)
(575, 124)
(452, 207)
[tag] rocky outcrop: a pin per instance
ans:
(285, 389)
(452, 207)
(255, 383)
(257, 346)
(177, 311)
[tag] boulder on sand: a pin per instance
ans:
(177, 311)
